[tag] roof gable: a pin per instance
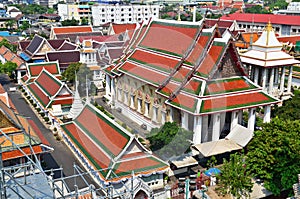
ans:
(34, 69)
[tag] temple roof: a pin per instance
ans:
(186, 66)
(34, 69)
(10, 56)
(71, 29)
(110, 148)
(64, 58)
(57, 93)
(267, 51)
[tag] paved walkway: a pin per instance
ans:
(61, 156)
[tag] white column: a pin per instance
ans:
(240, 117)
(276, 76)
(112, 89)
(204, 130)
(185, 120)
(216, 127)
(126, 98)
(197, 129)
(234, 119)
(107, 86)
(271, 83)
(163, 117)
(171, 115)
(256, 74)
(146, 109)
(251, 118)
(131, 101)
(264, 78)
(282, 79)
(154, 114)
(139, 105)
(222, 120)
(290, 79)
(267, 113)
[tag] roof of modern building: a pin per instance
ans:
(264, 18)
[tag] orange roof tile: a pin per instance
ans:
(72, 29)
(8, 155)
(121, 28)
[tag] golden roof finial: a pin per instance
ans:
(268, 29)
(269, 26)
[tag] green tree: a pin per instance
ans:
(170, 140)
(274, 154)
(69, 73)
(290, 110)
(257, 9)
(10, 23)
(8, 45)
(8, 68)
(68, 22)
(25, 25)
(235, 178)
(32, 9)
(84, 21)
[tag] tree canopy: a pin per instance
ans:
(170, 140)
(257, 9)
(274, 154)
(70, 22)
(32, 9)
(290, 108)
(69, 73)
(8, 45)
(235, 178)
(8, 68)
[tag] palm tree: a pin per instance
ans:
(10, 23)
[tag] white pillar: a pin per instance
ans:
(197, 129)
(204, 130)
(107, 86)
(256, 75)
(112, 89)
(267, 113)
(146, 109)
(154, 114)
(282, 79)
(264, 78)
(290, 79)
(276, 76)
(171, 115)
(240, 117)
(222, 120)
(126, 98)
(234, 119)
(251, 118)
(139, 105)
(185, 120)
(131, 101)
(216, 127)
(271, 83)
(163, 117)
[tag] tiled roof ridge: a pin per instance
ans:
(66, 42)
(14, 120)
(95, 143)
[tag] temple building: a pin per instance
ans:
(268, 64)
(190, 74)
(114, 157)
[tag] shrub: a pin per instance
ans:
(25, 94)
(28, 97)
(46, 119)
(124, 125)
(34, 105)
(31, 101)
(54, 129)
(38, 109)
(42, 114)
